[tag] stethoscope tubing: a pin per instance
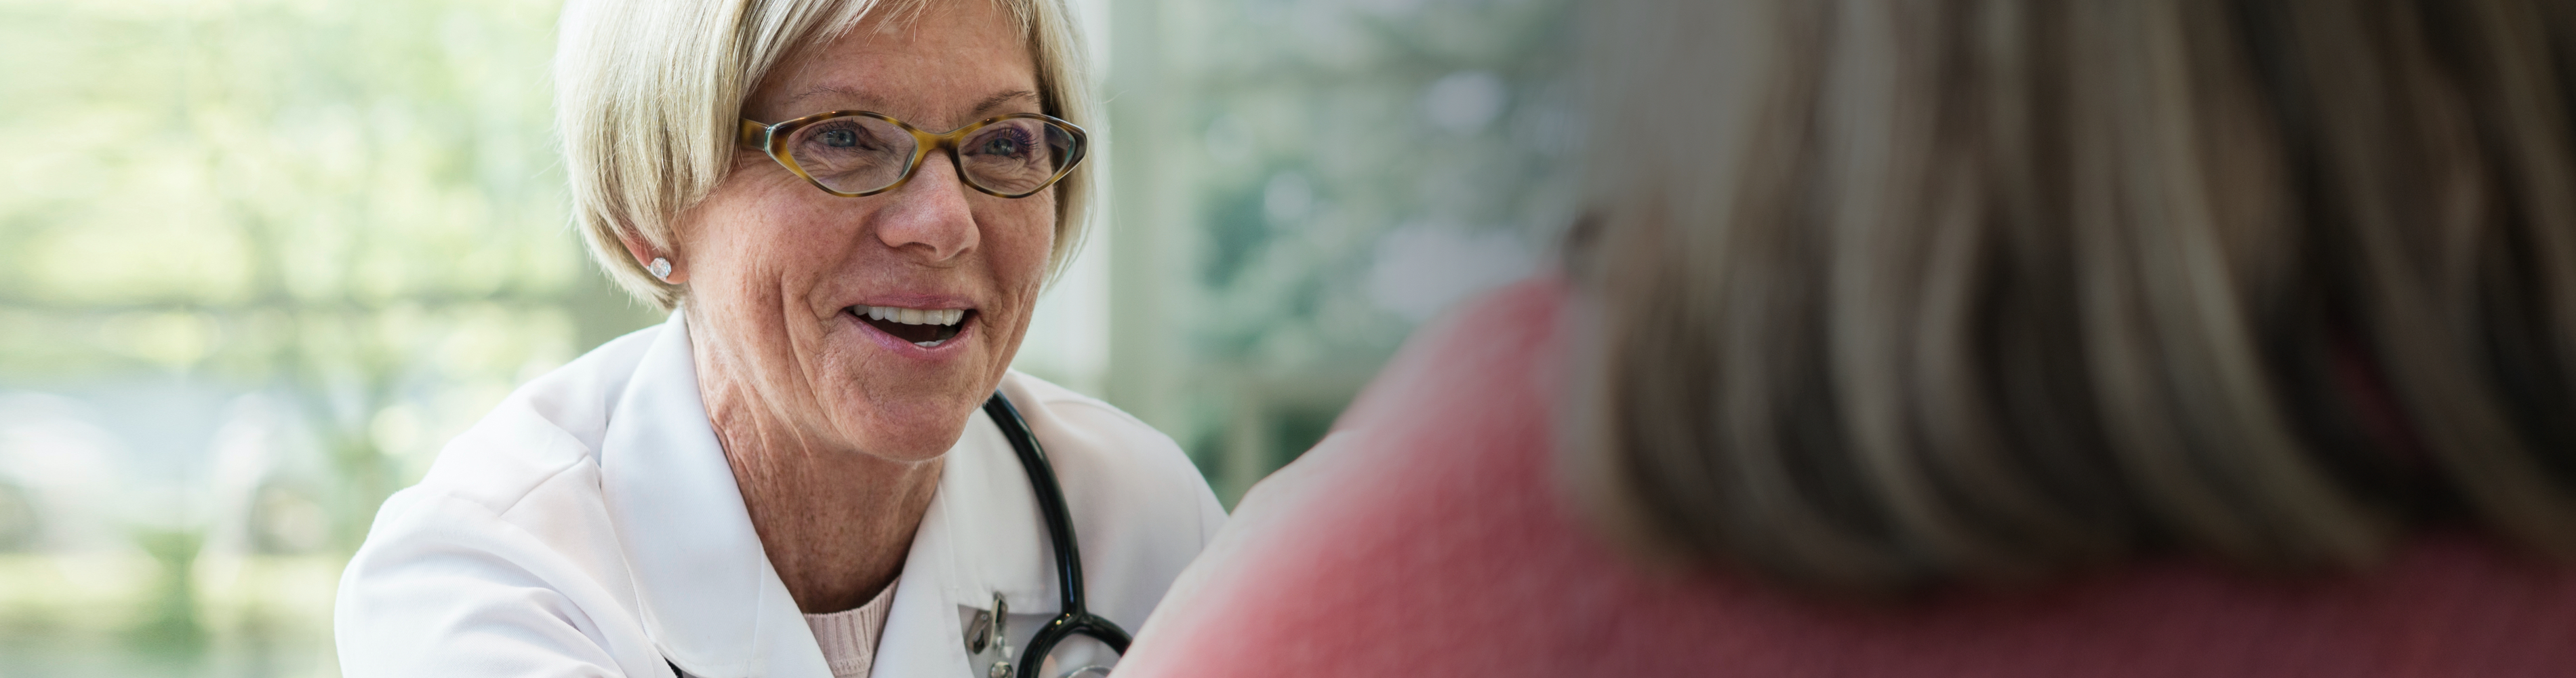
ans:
(1076, 616)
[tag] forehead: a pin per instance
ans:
(948, 63)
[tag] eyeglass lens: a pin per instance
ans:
(857, 154)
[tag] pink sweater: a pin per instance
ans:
(1426, 538)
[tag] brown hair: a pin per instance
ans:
(1996, 289)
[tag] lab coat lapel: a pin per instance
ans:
(982, 535)
(704, 587)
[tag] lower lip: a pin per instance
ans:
(954, 346)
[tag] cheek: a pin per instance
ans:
(718, 234)
(1022, 240)
(761, 239)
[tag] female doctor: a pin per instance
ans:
(815, 467)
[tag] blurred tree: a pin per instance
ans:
(351, 206)
(1349, 169)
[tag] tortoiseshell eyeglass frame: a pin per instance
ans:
(771, 139)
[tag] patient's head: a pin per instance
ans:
(1913, 292)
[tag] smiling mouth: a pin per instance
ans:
(924, 327)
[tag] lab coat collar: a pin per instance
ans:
(704, 586)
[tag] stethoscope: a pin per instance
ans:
(987, 642)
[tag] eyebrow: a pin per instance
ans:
(820, 90)
(866, 100)
(1006, 97)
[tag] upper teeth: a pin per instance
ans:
(914, 316)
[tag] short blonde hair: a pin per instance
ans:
(647, 95)
(2005, 289)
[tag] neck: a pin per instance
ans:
(835, 522)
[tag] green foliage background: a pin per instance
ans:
(349, 207)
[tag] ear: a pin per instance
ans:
(644, 256)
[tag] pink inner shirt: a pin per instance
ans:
(849, 637)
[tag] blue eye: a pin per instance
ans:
(840, 138)
(1006, 143)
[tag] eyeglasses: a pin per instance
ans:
(856, 153)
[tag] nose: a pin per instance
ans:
(928, 218)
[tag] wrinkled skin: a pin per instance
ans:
(835, 428)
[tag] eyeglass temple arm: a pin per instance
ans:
(752, 135)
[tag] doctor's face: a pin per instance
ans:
(829, 310)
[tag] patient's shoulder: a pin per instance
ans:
(1489, 356)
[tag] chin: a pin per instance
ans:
(913, 429)
(904, 403)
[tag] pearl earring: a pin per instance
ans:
(660, 268)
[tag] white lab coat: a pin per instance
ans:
(591, 527)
